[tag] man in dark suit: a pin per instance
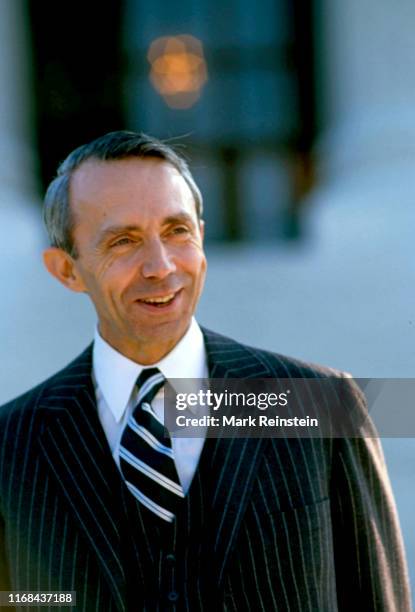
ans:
(93, 501)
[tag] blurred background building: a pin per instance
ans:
(298, 118)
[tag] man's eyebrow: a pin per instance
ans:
(182, 217)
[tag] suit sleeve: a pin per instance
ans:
(369, 554)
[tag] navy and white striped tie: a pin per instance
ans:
(146, 455)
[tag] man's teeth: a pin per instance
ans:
(158, 300)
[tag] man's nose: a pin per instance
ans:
(158, 263)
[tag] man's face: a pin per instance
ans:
(140, 254)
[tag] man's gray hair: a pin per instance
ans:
(119, 145)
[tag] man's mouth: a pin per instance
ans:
(161, 301)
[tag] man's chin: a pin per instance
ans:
(160, 339)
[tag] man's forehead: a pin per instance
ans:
(105, 185)
(132, 175)
(94, 172)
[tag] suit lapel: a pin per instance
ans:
(77, 452)
(233, 463)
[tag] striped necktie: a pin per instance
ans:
(146, 454)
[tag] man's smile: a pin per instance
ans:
(159, 302)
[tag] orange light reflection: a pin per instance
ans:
(178, 69)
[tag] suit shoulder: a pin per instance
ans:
(51, 387)
(275, 364)
(340, 382)
(295, 367)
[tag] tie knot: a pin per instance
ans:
(149, 383)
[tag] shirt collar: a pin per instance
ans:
(115, 375)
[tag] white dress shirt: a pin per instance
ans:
(115, 377)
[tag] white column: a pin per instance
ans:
(363, 209)
(42, 326)
(368, 80)
(17, 176)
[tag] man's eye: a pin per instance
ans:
(121, 241)
(180, 229)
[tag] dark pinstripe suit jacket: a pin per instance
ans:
(293, 524)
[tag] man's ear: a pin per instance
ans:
(62, 266)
